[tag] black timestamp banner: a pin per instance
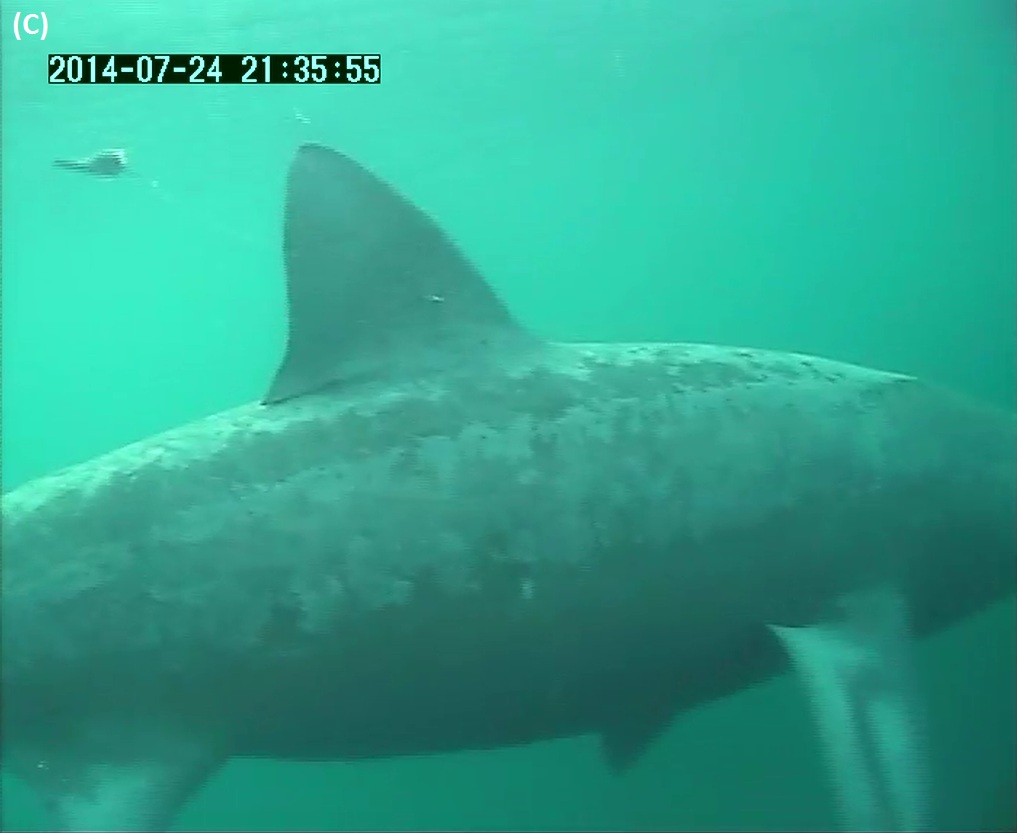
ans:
(214, 69)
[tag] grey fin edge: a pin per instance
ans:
(859, 675)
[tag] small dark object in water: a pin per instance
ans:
(104, 163)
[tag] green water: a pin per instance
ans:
(835, 178)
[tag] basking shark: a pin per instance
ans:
(439, 532)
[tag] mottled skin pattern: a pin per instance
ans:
(571, 539)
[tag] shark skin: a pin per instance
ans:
(438, 532)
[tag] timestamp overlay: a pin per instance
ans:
(262, 68)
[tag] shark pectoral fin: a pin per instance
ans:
(858, 673)
(624, 742)
(124, 791)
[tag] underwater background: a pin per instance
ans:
(836, 178)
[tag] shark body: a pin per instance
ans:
(438, 532)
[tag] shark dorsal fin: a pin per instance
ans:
(374, 285)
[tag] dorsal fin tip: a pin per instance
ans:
(374, 285)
